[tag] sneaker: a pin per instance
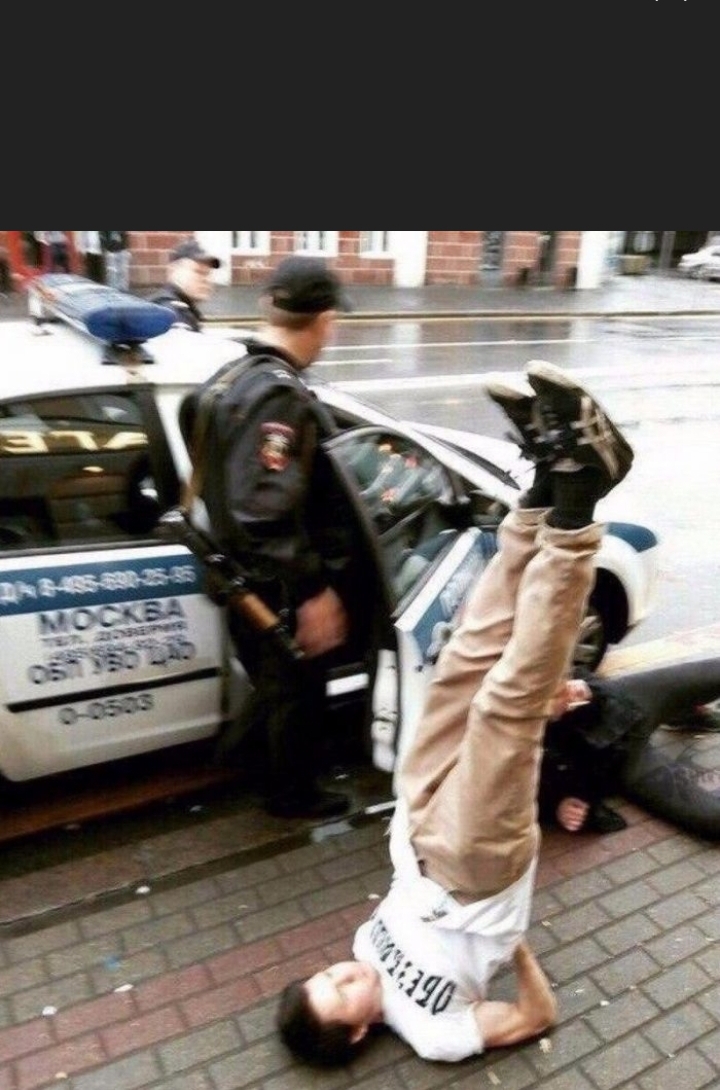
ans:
(520, 404)
(579, 430)
(315, 805)
(603, 819)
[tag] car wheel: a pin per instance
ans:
(593, 640)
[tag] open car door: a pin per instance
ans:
(428, 540)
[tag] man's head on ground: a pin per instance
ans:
(325, 1018)
(190, 270)
(299, 305)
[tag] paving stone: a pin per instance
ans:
(578, 922)
(115, 919)
(199, 1045)
(22, 976)
(675, 985)
(41, 941)
(679, 1027)
(711, 1001)
(710, 1048)
(258, 1021)
(612, 1066)
(200, 945)
(84, 955)
(709, 924)
(616, 1017)
(573, 960)
(675, 847)
(271, 921)
(129, 1073)
(672, 879)
(568, 1044)
(690, 1071)
(621, 973)
(250, 876)
(677, 944)
(133, 969)
(631, 898)
(229, 907)
(194, 1080)
(284, 888)
(59, 993)
(626, 934)
(184, 897)
(589, 886)
(576, 997)
(671, 911)
(153, 932)
(257, 1062)
(568, 1080)
(630, 867)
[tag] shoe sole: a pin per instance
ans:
(596, 441)
(520, 407)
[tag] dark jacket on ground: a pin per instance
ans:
(585, 749)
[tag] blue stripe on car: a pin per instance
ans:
(639, 537)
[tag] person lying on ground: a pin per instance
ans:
(599, 725)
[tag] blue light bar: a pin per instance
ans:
(112, 316)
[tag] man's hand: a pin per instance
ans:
(322, 624)
(534, 1011)
(571, 694)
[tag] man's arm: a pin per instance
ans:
(534, 1010)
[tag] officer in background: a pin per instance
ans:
(189, 283)
(274, 505)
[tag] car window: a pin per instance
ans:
(409, 498)
(75, 470)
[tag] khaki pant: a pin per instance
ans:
(470, 778)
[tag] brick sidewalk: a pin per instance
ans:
(174, 986)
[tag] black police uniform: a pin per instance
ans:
(187, 313)
(274, 504)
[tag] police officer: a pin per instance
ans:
(273, 505)
(188, 283)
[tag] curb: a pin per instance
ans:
(534, 315)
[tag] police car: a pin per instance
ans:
(111, 646)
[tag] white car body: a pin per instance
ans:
(111, 647)
(703, 264)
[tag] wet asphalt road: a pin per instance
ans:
(657, 376)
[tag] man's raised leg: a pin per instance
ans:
(474, 825)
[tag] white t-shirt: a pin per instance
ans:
(435, 956)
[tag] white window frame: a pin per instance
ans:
(251, 242)
(316, 243)
(375, 244)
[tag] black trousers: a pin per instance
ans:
(670, 691)
(284, 725)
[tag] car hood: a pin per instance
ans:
(506, 456)
(518, 470)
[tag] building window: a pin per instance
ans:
(374, 243)
(317, 243)
(251, 242)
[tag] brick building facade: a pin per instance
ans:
(549, 258)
